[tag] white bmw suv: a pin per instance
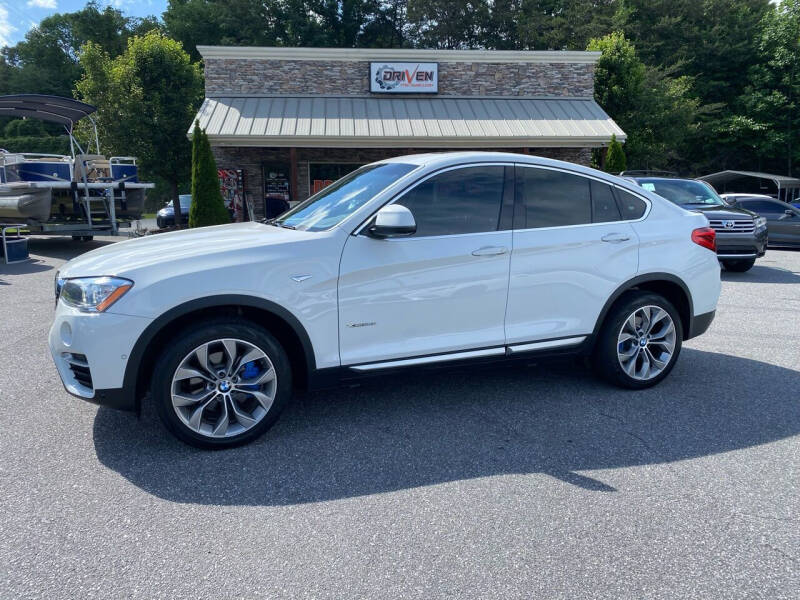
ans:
(437, 259)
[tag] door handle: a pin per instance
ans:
(615, 238)
(489, 251)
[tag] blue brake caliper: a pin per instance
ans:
(250, 371)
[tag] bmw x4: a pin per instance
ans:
(426, 260)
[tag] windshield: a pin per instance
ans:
(683, 191)
(335, 203)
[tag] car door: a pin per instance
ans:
(442, 289)
(782, 228)
(572, 248)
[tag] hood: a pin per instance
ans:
(721, 212)
(123, 258)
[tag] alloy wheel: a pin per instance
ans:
(223, 388)
(646, 342)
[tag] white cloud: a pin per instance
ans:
(6, 28)
(42, 3)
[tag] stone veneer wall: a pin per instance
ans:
(349, 78)
(250, 160)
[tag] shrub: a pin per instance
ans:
(208, 207)
(615, 160)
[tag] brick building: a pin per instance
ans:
(292, 120)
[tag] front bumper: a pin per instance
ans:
(91, 351)
(741, 246)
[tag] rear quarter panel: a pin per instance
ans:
(665, 246)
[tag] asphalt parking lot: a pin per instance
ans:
(521, 482)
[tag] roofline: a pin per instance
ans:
(397, 54)
(439, 96)
(411, 141)
(777, 179)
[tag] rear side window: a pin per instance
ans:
(604, 206)
(630, 206)
(466, 200)
(553, 198)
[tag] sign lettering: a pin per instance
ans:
(403, 78)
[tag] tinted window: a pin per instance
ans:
(630, 206)
(760, 206)
(336, 202)
(604, 207)
(464, 200)
(553, 198)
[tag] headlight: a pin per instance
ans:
(93, 294)
(760, 222)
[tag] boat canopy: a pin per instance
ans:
(55, 109)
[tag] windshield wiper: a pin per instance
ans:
(274, 223)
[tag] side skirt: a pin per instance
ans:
(349, 374)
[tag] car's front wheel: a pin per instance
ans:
(739, 266)
(222, 383)
(639, 341)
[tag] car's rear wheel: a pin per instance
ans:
(739, 266)
(639, 341)
(221, 384)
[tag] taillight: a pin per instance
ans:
(705, 237)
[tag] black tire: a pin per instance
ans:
(82, 238)
(605, 359)
(739, 266)
(184, 343)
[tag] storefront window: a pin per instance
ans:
(277, 192)
(321, 175)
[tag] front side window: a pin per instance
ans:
(338, 201)
(762, 206)
(465, 200)
(554, 198)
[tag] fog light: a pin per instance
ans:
(66, 334)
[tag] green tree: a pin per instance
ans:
(615, 159)
(657, 112)
(208, 207)
(146, 99)
(47, 60)
(220, 22)
(446, 24)
(320, 23)
(771, 99)
(619, 74)
(547, 24)
(713, 43)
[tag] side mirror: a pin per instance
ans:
(394, 220)
(789, 212)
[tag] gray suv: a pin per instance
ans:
(741, 234)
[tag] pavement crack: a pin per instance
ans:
(632, 434)
(781, 552)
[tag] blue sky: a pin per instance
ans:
(18, 16)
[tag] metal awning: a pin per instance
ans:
(441, 122)
(723, 177)
(780, 186)
(55, 109)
